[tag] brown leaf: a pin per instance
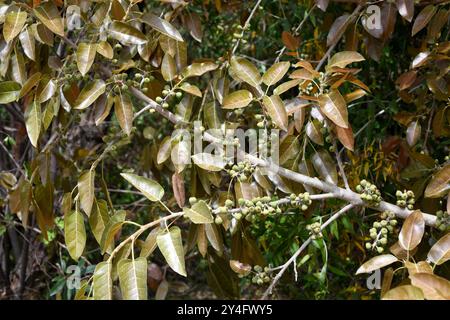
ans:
(433, 287)
(440, 251)
(406, 9)
(412, 231)
(290, 41)
(423, 18)
(377, 262)
(333, 105)
(345, 136)
(178, 189)
(439, 184)
(337, 29)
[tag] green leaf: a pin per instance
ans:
(9, 91)
(48, 14)
(171, 248)
(209, 161)
(99, 218)
(86, 190)
(191, 89)
(199, 213)
(89, 94)
(245, 71)
(123, 108)
(333, 105)
(14, 21)
(28, 43)
(102, 281)
(162, 26)
(113, 226)
(33, 123)
(237, 99)
(275, 73)
(105, 49)
(150, 188)
(285, 86)
(276, 110)
(133, 278)
(199, 68)
(126, 34)
(86, 56)
(149, 244)
(74, 233)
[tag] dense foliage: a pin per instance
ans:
(232, 149)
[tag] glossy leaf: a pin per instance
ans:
(126, 34)
(168, 67)
(162, 26)
(276, 110)
(33, 122)
(245, 71)
(433, 286)
(237, 99)
(86, 190)
(199, 213)
(440, 251)
(333, 105)
(133, 278)
(9, 91)
(14, 21)
(209, 162)
(74, 233)
(171, 247)
(111, 229)
(405, 292)
(149, 188)
(86, 56)
(89, 94)
(423, 18)
(344, 58)
(102, 281)
(123, 109)
(439, 184)
(377, 262)
(324, 165)
(412, 231)
(48, 14)
(275, 73)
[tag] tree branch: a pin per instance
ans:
(305, 244)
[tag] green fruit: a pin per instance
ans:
(218, 220)
(192, 200)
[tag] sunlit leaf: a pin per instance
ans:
(123, 108)
(246, 71)
(133, 278)
(237, 99)
(276, 110)
(377, 262)
(162, 26)
(412, 231)
(209, 161)
(171, 246)
(275, 73)
(74, 233)
(33, 122)
(440, 251)
(126, 34)
(86, 190)
(150, 188)
(199, 213)
(89, 94)
(102, 281)
(405, 292)
(86, 56)
(14, 21)
(333, 105)
(439, 184)
(48, 14)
